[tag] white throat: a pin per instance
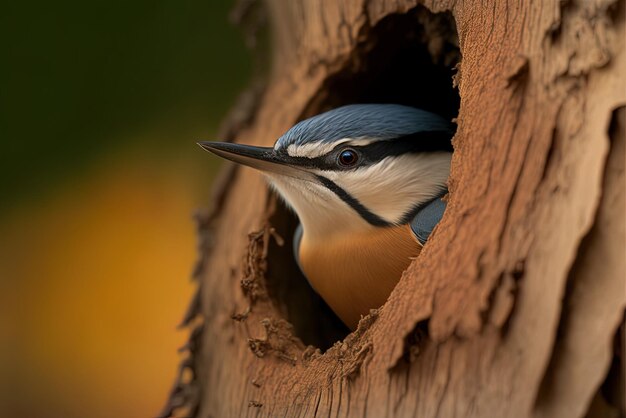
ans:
(320, 211)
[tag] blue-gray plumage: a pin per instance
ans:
(427, 219)
(366, 182)
(381, 121)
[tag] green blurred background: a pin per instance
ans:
(101, 104)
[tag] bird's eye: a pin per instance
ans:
(348, 158)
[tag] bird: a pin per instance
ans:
(367, 183)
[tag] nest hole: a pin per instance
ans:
(408, 59)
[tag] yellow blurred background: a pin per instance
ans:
(100, 109)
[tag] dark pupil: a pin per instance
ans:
(347, 157)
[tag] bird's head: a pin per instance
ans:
(354, 167)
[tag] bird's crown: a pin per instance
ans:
(361, 121)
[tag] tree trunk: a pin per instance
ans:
(515, 305)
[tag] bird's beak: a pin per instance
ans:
(265, 159)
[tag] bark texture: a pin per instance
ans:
(514, 305)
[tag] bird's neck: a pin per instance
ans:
(356, 272)
(328, 226)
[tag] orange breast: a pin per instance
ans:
(356, 273)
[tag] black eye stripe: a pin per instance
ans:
(369, 154)
(410, 144)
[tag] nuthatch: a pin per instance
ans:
(366, 182)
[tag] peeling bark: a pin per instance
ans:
(512, 307)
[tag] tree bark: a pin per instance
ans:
(513, 307)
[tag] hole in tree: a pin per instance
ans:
(407, 59)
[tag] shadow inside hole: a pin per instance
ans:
(406, 59)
